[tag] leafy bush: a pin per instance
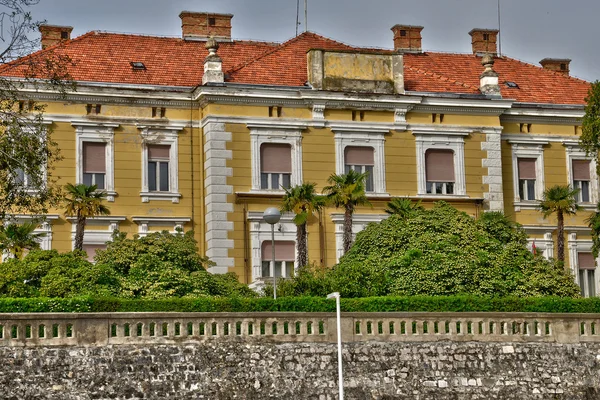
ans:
(438, 252)
(307, 304)
(158, 266)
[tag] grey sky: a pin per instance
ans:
(531, 29)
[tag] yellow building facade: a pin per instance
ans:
(198, 134)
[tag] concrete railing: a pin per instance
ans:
(98, 329)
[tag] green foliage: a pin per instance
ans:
(15, 238)
(157, 266)
(307, 304)
(347, 190)
(51, 274)
(438, 252)
(82, 202)
(559, 199)
(403, 207)
(593, 222)
(303, 201)
(590, 136)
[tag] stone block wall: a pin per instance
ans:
(258, 370)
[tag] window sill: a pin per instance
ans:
(442, 196)
(527, 205)
(588, 206)
(160, 196)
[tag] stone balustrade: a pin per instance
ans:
(99, 329)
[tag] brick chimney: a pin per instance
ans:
(560, 65)
(484, 41)
(203, 25)
(407, 38)
(54, 34)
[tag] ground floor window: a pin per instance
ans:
(586, 273)
(284, 259)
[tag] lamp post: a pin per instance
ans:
(272, 216)
(336, 296)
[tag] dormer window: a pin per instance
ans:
(138, 66)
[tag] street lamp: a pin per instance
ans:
(271, 217)
(336, 296)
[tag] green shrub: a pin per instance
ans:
(438, 252)
(307, 304)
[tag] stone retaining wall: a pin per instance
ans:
(413, 362)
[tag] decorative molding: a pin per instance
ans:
(576, 246)
(144, 222)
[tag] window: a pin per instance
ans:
(439, 171)
(441, 160)
(275, 166)
(581, 180)
(527, 178)
(586, 274)
(160, 163)
(284, 259)
(95, 156)
(283, 158)
(361, 148)
(94, 164)
(91, 250)
(361, 160)
(528, 171)
(158, 168)
(22, 179)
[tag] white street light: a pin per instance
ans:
(271, 217)
(336, 296)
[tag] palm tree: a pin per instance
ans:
(403, 206)
(347, 191)
(83, 202)
(560, 200)
(304, 202)
(15, 238)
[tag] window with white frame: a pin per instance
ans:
(94, 164)
(527, 178)
(359, 223)
(95, 155)
(158, 168)
(275, 166)
(440, 163)
(528, 171)
(22, 178)
(160, 164)
(581, 178)
(586, 274)
(362, 149)
(439, 171)
(272, 138)
(361, 160)
(98, 231)
(582, 175)
(284, 259)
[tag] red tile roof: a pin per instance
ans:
(106, 57)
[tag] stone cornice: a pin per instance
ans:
(545, 114)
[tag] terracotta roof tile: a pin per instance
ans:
(106, 57)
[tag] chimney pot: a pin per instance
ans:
(54, 34)
(484, 41)
(203, 25)
(560, 65)
(407, 38)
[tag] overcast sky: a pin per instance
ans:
(531, 29)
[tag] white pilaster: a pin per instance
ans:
(494, 197)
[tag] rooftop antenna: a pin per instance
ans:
(297, 15)
(305, 15)
(499, 32)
